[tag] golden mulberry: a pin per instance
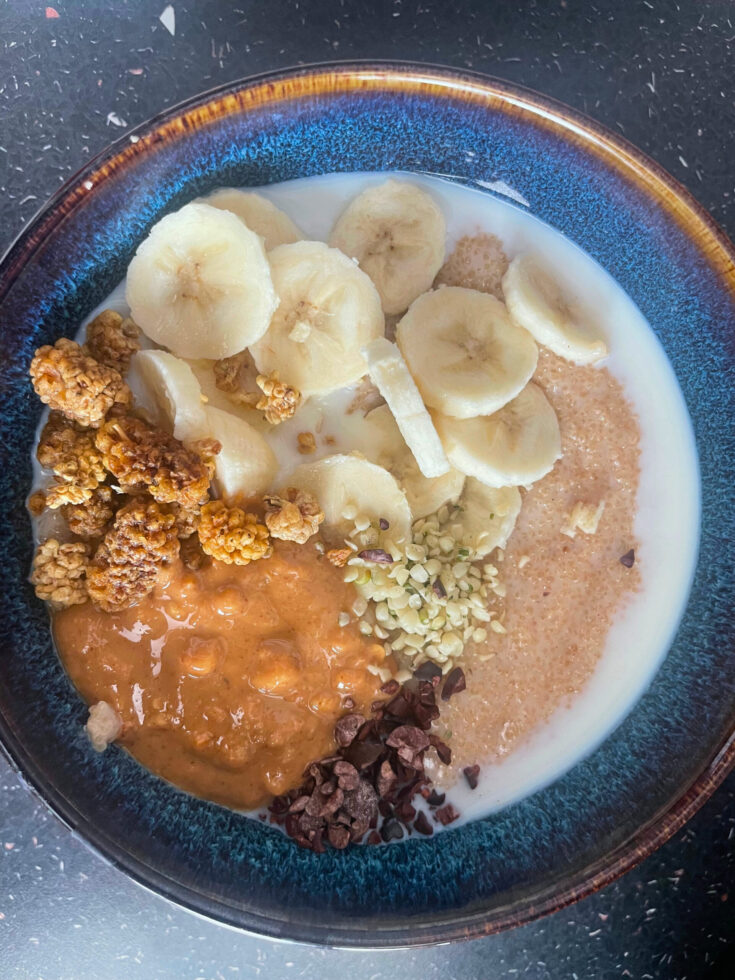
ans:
(232, 536)
(90, 519)
(58, 572)
(60, 494)
(70, 452)
(70, 381)
(143, 458)
(112, 340)
(293, 515)
(126, 565)
(279, 401)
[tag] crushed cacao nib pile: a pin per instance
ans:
(369, 785)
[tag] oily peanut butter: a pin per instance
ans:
(228, 680)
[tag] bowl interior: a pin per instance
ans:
(610, 809)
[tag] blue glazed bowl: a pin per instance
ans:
(648, 777)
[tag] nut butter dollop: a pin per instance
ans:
(229, 679)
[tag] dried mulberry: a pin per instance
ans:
(70, 452)
(232, 536)
(112, 340)
(90, 519)
(143, 458)
(75, 384)
(279, 401)
(293, 515)
(127, 562)
(58, 572)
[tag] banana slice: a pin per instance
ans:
(538, 303)
(466, 355)
(382, 443)
(246, 464)
(488, 516)
(200, 284)
(328, 311)
(397, 234)
(259, 214)
(516, 446)
(168, 392)
(352, 486)
(394, 382)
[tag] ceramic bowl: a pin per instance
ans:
(651, 774)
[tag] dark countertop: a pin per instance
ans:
(74, 77)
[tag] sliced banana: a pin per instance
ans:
(397, 233)
(166, 389)
(200, 284)
(246, 464)
(259, 214)
(466, 355)
(394, 382)
(537, 302)
(328, 311)
(515, 446)
(349, 487)
(382, 443)
(488, 516)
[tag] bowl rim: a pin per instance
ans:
(390, 76)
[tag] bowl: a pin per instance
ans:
(611, 809)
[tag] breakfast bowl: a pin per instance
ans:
(648, 733)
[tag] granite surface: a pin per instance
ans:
(75, 76)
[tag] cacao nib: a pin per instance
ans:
(454, 683)
(391, 830)
(446, 814)
(628, 559)
(471, 774)
(422, 825)
(346, 729)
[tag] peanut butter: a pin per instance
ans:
(228, 679)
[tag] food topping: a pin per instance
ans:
(232, 536)
(584, 517)
(279, 401)
(339, 556)
(112, 340)
(90, 518)
(235, 375)
(229, 681)
(126, 565)
(374, 776)
(70, 452)
(431, 597)
(141, 457)
(103, 726)
(70, 381)
(60, 494)
(628, 559)
(293, 515)
(59, 570)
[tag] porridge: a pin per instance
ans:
(333, 525)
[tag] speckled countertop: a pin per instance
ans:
(77, 75)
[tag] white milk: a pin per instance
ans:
(668, 518)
